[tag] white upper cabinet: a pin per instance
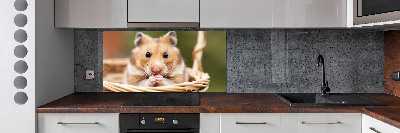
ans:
(309, 13)
(90, 13)
(273, 13)
(163, 11)
(236, 13)
(209, 13)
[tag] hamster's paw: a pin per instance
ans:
(156, 78)
(152, 79)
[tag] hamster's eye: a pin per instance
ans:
(148, 54)
(165, 55)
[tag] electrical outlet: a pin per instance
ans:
(89, 74)
(396, 75)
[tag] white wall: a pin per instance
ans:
(50, 61)
(16, 118)
(54, 56)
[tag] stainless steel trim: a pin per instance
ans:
(251, 122)
(310, 123)
(359, 8)
(373, 129)
(165, 25)
(390, 16)
(65, 123)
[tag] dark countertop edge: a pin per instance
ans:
(120, 110)
(198, 110)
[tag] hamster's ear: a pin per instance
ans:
(138, 39)
(172, 37)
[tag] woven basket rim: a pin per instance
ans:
(201, 84)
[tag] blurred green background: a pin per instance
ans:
(214, 54)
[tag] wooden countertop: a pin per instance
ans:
(219, 103)
(387, 115)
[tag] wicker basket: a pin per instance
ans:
(197, 80)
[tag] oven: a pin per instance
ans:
(374, 11)
(159, 123)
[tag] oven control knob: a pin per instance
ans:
(175, 122)
(143, 122)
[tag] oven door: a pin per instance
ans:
(164, 131)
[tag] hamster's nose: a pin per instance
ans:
(155, 71)
(156, 68)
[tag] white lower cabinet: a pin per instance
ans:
(372, 125)
(281, 123)
(250, 123)
(78, 123)
(209, 122)
(321, 123)
(227, 123)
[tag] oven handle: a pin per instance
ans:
(162, 131)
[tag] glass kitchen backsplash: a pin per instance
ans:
(164, 61)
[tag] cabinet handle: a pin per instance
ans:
(77, 123)
(251, 122)
(373, 129)
(322, 123)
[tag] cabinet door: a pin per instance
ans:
(309, 13)
(321, 123)
(250, 123)
(90, 13)
(209, 122)
(78, 123)
(372, 125)
(163, 11)
(236, 13)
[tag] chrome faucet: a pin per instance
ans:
(324, 85)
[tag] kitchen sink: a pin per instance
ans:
(317, 99)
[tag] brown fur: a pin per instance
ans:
(157, 47)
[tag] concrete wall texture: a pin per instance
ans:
(273, 60)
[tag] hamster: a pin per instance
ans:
(155, 61)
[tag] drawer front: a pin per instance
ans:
(372, 125)
(78, 123)
(250, 123)
(330, 123)
(321, 123)
(163, 11)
